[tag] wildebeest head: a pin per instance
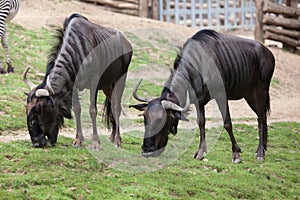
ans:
(44, 116)
(161, 117)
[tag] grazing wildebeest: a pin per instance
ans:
(210, 66)
(86, 56)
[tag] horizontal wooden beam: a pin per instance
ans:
(280, 38)
(280, 9)
(115, 4)
(290, 33)
(280, 21)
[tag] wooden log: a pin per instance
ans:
(289, 33)
(258, 32)
(124, 11)
(279, 21)
(115, 4)
(280, 38)
(280, 9)
(291, 4)
(132, 1)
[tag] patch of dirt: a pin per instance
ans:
(286, 80)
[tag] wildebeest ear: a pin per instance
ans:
(141, 107)
(26, 93)
(179, 115)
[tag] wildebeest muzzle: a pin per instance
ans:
(38, 139)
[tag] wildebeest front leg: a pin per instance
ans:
(262, 146)
(201, 123)
(77, 111)
(236, 150)
(93, 115)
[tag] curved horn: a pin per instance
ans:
(137, 97)
(26, 81)
(42, 93)
(170, 105)
(48, 86)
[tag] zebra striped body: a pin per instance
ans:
(8, 10)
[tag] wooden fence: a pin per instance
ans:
(215, 14)
(141, 8)
(280, 23)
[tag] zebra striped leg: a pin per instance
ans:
(2, 70)
(5, 46)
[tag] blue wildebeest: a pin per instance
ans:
(210, 66)
(87, 56)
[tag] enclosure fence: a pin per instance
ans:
(216, 14)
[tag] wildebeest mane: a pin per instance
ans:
(205, 34)
(201, 36)
(59, 36)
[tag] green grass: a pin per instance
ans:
(63, 172)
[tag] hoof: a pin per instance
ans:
(199, 155)
(3, 71)
(259, 158)
(117, 143)
(236, 158)
(236, 161)
(77, 143)
(95, 146)
(10, 69)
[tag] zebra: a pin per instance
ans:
(8, 10)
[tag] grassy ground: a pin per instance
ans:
(63, 172)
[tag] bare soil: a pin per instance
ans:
(284, 92)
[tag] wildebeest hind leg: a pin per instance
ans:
(116, 107)
(93, 114)
(112, 93)
(259, 103)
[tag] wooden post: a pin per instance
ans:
(155, 9)
(293, 4)
(143, 8)
(258, 33)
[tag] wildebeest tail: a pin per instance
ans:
(268, 107)
(107, 114)
(267, 110)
